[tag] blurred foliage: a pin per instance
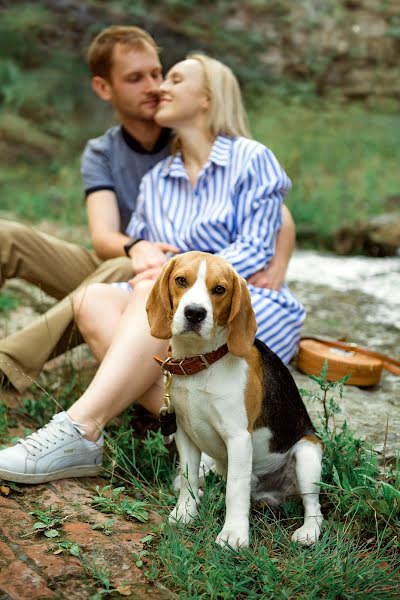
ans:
(48, 109)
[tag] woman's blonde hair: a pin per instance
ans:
(226, 115)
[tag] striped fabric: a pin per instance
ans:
(234, 211)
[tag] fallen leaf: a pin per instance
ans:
(124, 590)
(4, 490)
(147, 538)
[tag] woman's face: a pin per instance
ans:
(183, 98)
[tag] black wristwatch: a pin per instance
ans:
(129, 245)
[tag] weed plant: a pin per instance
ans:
(111, 499)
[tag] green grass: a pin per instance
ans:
(8, 302)
(34, 193)
(342, 160)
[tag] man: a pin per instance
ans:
(112, 167)
(126, 71)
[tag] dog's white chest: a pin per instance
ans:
(210, 405)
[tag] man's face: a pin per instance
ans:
(134, 83)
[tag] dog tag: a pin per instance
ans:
(167, 424)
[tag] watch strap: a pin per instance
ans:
(130, 244)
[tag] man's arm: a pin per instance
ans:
(108, 241)
(104, 224)
(274, 275)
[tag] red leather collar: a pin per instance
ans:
(191, 364)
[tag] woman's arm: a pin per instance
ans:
(258, 211)
(273, 275)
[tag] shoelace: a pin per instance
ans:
(49, 434)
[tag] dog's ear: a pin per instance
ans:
(159, 305)
(242, 325)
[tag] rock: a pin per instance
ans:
(378, 236)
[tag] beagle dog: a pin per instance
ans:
(239, 405)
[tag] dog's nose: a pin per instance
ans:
(195, 313)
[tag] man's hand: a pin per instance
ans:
(151, 274)
(271, 277)
(147, 255)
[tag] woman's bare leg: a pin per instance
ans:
(98, 310)
(127, 371)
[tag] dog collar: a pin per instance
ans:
(191, 364)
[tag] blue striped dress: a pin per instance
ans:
(234, 211)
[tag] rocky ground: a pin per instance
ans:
(93, 553)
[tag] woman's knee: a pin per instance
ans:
(12, 227)
(85, 302)
(12, 233)
(143, 288)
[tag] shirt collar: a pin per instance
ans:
(219, 155)
(162, 142)
(221, 151)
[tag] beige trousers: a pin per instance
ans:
(58, 268)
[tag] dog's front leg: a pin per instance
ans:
(235, 531)
(189, 462)
(308, 457)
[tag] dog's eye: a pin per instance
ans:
(218, 289)
(181, 281)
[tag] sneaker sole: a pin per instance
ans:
(46, 477)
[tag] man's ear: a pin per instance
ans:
(101, 88)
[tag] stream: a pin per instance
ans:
(357, 298)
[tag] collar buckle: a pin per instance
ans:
(204, 360)
(182, 368)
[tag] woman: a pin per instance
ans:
(220, 192)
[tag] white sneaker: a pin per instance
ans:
(55, 451)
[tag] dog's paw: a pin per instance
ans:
(236, 538)
(308, 534)
(183, 513)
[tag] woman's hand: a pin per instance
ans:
(147, 255)
(151, 274)
(272, 277)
